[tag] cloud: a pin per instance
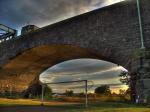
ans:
(17, 13)
(77, 66)
(99, 73)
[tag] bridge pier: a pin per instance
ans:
(142, 80)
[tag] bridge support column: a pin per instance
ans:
(140, 76)
(142, 85)
(141, 67)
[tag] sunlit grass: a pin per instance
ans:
(72, 107)
(6, 102)
(29, 102)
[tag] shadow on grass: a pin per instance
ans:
(82, 106)
(98, 104)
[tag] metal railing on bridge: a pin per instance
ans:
(6, 33)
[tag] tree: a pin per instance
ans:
(122, 92)
(47, 91)
(81, 94)
(130, 80)
(69, 93)
(124, 77)
(104, 89)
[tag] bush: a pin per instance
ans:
(104, 89)
(12, 95)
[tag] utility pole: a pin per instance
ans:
(140, 24)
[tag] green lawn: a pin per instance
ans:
(34, 106)
(113, 107)
(101, 107)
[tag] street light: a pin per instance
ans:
(140, 24)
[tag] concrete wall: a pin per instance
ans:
(112, 31)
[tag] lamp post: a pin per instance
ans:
(140, 24)
(86, 97)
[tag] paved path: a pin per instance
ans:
(32, 109)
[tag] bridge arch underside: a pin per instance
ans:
(22, 72)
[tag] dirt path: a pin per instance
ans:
(32, 109)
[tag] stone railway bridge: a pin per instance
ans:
(110, 33)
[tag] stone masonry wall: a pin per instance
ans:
(112, 31)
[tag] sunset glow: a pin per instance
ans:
(97, 71)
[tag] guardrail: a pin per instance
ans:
(8, 34)
(6, 37)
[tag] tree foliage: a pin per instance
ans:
(104, 89)
(124, 77)
(69, 93)
(47, 92)
(129, 80)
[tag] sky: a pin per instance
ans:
(97, 72)
(18, 13)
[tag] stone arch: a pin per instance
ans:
(109, 30)
(22, 71)
(112, 31)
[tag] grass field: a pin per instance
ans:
(30, 102)
(114, 107)
(22, 105)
